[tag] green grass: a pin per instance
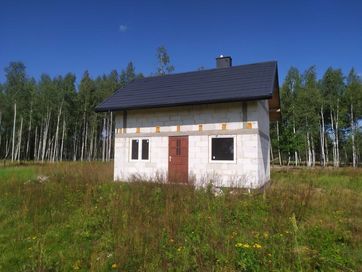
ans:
(18, 173)
(305, 220)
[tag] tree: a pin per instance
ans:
(306, 106)
(333, 88)
(354, 103)
(17, 92)
(129, 75)
(164, 64)
(87, 99)
(50, 120)
(290, 87)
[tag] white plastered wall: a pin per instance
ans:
(244, 172)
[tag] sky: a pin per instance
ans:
(57, 37)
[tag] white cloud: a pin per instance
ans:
(123, 28)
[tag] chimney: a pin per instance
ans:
(223, 62)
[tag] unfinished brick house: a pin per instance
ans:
(197, 127)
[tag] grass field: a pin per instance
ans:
(69, 216)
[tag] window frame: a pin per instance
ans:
(210, 148)
(139, 149)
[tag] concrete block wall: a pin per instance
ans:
(241, 173)
(263, 116)
(244, 172)
(264, 140)
(154, 169)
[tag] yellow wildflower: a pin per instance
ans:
(256, 245)
(238, 245)
(114, 266)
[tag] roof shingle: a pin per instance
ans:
(237, 83)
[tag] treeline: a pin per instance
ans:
(321, 119)
(53, 119)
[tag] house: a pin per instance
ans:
(197, 127)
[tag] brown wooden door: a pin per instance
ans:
(178, 159)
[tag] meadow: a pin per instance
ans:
(71, 217)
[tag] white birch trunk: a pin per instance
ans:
(75, 147)
(62, 144)
(95, 147)
(18, 152)
(278, 138)
(55, 151)
(86, 140)
(326, 149)
(29, 131)
(83, 136)
(309, 160)
(110, 137)
(313, 152)
(45, 136)
(337, 135)
(354, 155)
(40, 144)
(103, 139)
(13, 143)
(90, 152)
(7, 147)
(322, 135)
(48, 153)
(106, 138)
(295, 152)
(334, 141)
(35, 143)
(288, 163)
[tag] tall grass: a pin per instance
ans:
(77, 219)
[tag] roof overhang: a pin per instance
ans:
(250, 82)
(203, 102)
(274, 101)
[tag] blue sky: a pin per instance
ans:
(57, 37)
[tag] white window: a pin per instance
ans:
(222, 149)
(140, 149)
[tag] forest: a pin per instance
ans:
(53, 118)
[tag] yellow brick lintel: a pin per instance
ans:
(248, 125)
(240, 131)
(179, 128)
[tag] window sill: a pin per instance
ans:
(218, 162)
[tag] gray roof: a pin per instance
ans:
(237, 83)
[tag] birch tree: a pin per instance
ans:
(354, 103)
(333, 88)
